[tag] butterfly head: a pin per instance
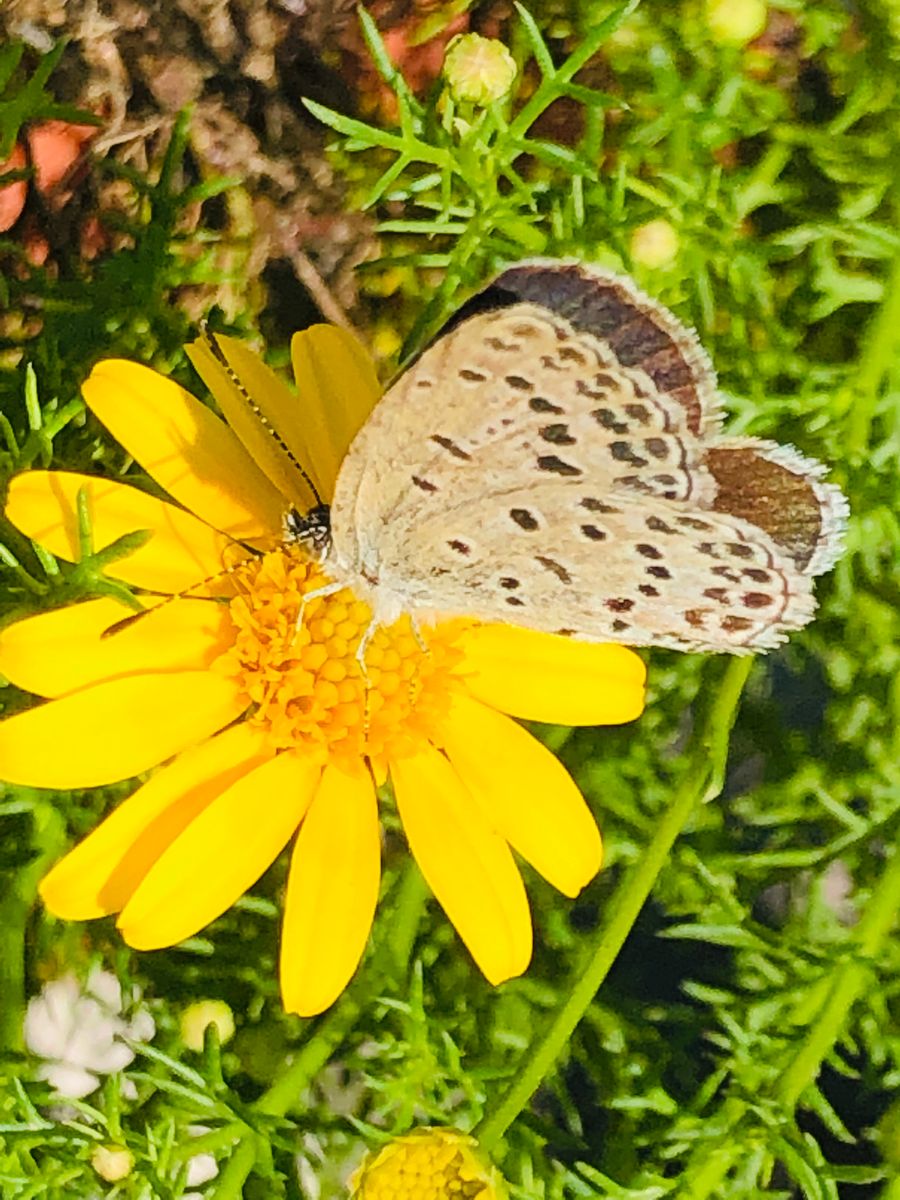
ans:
(311, 530)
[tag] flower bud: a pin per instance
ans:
(429, 1164)
(197, 1016)
(654, 244)
(479, 70)
(736, 22)
(112, 1163)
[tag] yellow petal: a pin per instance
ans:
(186, 448)
(115, 729)
(338, 388)
(524, 793)
(332, 891)
(545, 677)
(466, 864)
(57, 652)
(262, 412)
(102, 872)
(220, 854)
(182, 551)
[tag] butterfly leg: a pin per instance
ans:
(415, 682)
(370, 633)
(329, 589)
(361, 651)
(361, 662)
(417, 634)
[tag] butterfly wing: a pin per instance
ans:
(509, 371)
(605, 570)
(555, 463)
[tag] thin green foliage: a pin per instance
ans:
(476, 202)
(716, 1015)
(26, 97)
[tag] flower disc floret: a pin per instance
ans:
(430, 1164)
(296, 654)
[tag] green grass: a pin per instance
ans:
(743, 1041)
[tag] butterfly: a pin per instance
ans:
(555, 460)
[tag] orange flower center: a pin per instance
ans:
(298, 658)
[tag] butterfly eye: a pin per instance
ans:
(311, 530)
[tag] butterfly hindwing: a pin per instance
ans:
(558, 558)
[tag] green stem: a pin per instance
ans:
(878, 354)
(215, 1141)
(310, 1059)
(15, 908)
(702, 782)
(231, 1182)
(412, 893)
(441, 304)
(705, 1173)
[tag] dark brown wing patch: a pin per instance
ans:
(640, 333)
(779, 491)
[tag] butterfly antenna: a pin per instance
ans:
(219, 355)
(133, 618)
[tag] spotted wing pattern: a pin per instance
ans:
(555, 460)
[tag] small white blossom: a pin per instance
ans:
(201, 1168)
(80, 1032)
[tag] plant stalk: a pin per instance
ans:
(878, 354)
(702, 782)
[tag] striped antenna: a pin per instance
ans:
(185, 594)
(219, 355)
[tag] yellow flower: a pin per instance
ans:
(429, 1164)
(255, 702)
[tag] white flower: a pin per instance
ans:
(80, 1032)
(309, 1166)
(201, 1168)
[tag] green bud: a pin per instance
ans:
(478, 70)
(112, 1163)
(197, 1016)
(654, 244)
(736, 22)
